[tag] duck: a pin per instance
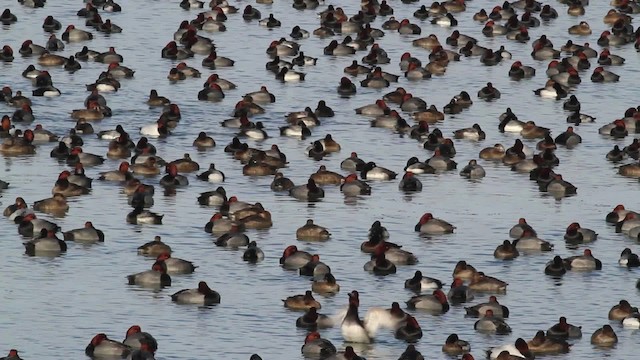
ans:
(314, 346)
(86, 234)
(410, 183)
(495, 152)
(294, 259)
(435, 302)
(440, 162)
(301, 302)
(352, 327)
(420, 283)
(472, 133)
(455, 346)
(352, 186)
(156, 277)
(459, 293)
(233, 238)
(541, 344)
(140, 216)
(518, 350)
(53, 205)
(176, 265)
(583, 262)
(558, 187)
(311, 232)
(102, 346)
(202, 295)
(473, 170)
(491, 324)
(13, 355)
(410, 331)
(483, 283)
(325, 285)
(46, 244)
(154, 248)
(346, 87)
(606, 58)
(519, 71)
(433, 226)
(497, 309)
(66, 188)
(581, 29)
(371, 171)
(529, 242)
(30, 226)
(628, 258)
(137, 339)
(620, 310)
(353, 163)
(315, 268)
(71, 34)
(602, 75)
(311, 320)
(577, 234)
(506, 251)
(489, 92)
(604, 336)
(19, 145)
(309, 191)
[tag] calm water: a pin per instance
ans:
(55, 306)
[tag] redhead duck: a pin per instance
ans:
(66, 188)
(301, 302)
(325, 285)
(47, 244)
(606, 58)
(601, 75)
(312, 320)
(253, 253)
(352, 186)
(410, 103)
(455, 346)
(28, 48)
(576, 234)
(435, 302)
(406, 59)
(202, 295)
(87, 234)
(71, 34)
(233, 238)
(541, 344)
(491, 29)
(102, 346)
(176, 265)
(459, 293)
(519, 350)
(376, 109)
(315, 346)
(13, 355)
(53, 205)
(135, 338)
(219, 225)
(583, 262)
(315, 268)
(410, 331)
(618, 214)
(420, 283)
(18, 208)
(517, 231)
(30, 226)
(25, 113)
(519, 71)
(353, 163)
(140, 216)
(491, 324)
(156, 277)
(410, 183)
(294, 259)
(173, 178)
(440, 162)
(379, 264)
(479, 310)
(211, 93)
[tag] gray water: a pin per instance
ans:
(53, 306)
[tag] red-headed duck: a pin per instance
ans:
(13, 355)
(459, 293)
(528, 242)
(102, 346)
(601, 75)
(352, 186)
(86, 234)
(483, 283)
(47, 244)
(176, 265)
(156, 277)
(583, 262)
(136, 338)
(314, 345)
(294, 259)
(19, 145)
(202, 295)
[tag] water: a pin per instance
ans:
(54, 306)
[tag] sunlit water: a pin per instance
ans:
(52, 307)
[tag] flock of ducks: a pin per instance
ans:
(140, 163)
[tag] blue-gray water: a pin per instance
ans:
(53, 307)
